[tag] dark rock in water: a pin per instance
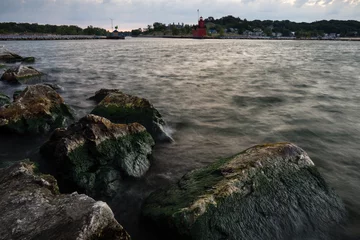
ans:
(266, 192)
(38, 109)
(94, 155)
(21, 74)
(28, 60)
(9, 57)
(32, 208)
(122, 108)
(4, 100)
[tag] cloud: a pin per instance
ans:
(139, 13)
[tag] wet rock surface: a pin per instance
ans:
(4, 99)
(94, 155)
(9, 57)
(266, 192)
(122, 108)
(21, 74)
(32, 208)
(37, 109)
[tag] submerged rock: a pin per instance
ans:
(4, 100)
(38, 109)
(266, 192)
(122, 108)
(94, 155)
(21, 74)
(32, 208)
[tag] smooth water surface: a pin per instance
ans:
(218, 97)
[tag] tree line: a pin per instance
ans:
(34, 28)
(344, 28)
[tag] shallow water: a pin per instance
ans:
(218, 97)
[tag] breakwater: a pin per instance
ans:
(49, 37)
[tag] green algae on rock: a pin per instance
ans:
(266, 192)
(38, 109)
(122, 108)
(32, 208)
(21, 74)
(4, 100)
(94, 155)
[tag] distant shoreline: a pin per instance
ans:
(16, 37)
(92, 37)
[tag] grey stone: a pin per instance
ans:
(32, 208)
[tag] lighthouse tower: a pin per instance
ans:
(200, 29)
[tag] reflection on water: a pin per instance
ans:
(218, 97)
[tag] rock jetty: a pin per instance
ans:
(94, 155)
(119, 107)
(37, 109)
(32, 208)
(266, 192)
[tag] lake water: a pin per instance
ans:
(218, 97)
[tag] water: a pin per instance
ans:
(218, 97)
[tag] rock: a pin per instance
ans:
(2, 66)
(21, 74)
(8, 57)
(38, 109)
(32, 208)
(102, 93)
(16, 94)
(4, 100)
(28, 60)
(55, 86)
(122, 108)
(266, 192)
(94, 155)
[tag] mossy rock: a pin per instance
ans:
(93, 155)
(38, 109)
(122, 108)
(266, 192)
(4, 100)
(2, 66)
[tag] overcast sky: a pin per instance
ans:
(131, 14)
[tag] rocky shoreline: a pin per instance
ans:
(268, 191)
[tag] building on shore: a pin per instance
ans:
(199, 31)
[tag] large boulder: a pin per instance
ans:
(32, 208)
(4, 100)
(94, 155)
(122, 108)
(21, 74)
(266, 192)
(38, 109)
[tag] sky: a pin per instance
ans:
(133, 14)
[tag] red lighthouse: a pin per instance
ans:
(200, 30)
